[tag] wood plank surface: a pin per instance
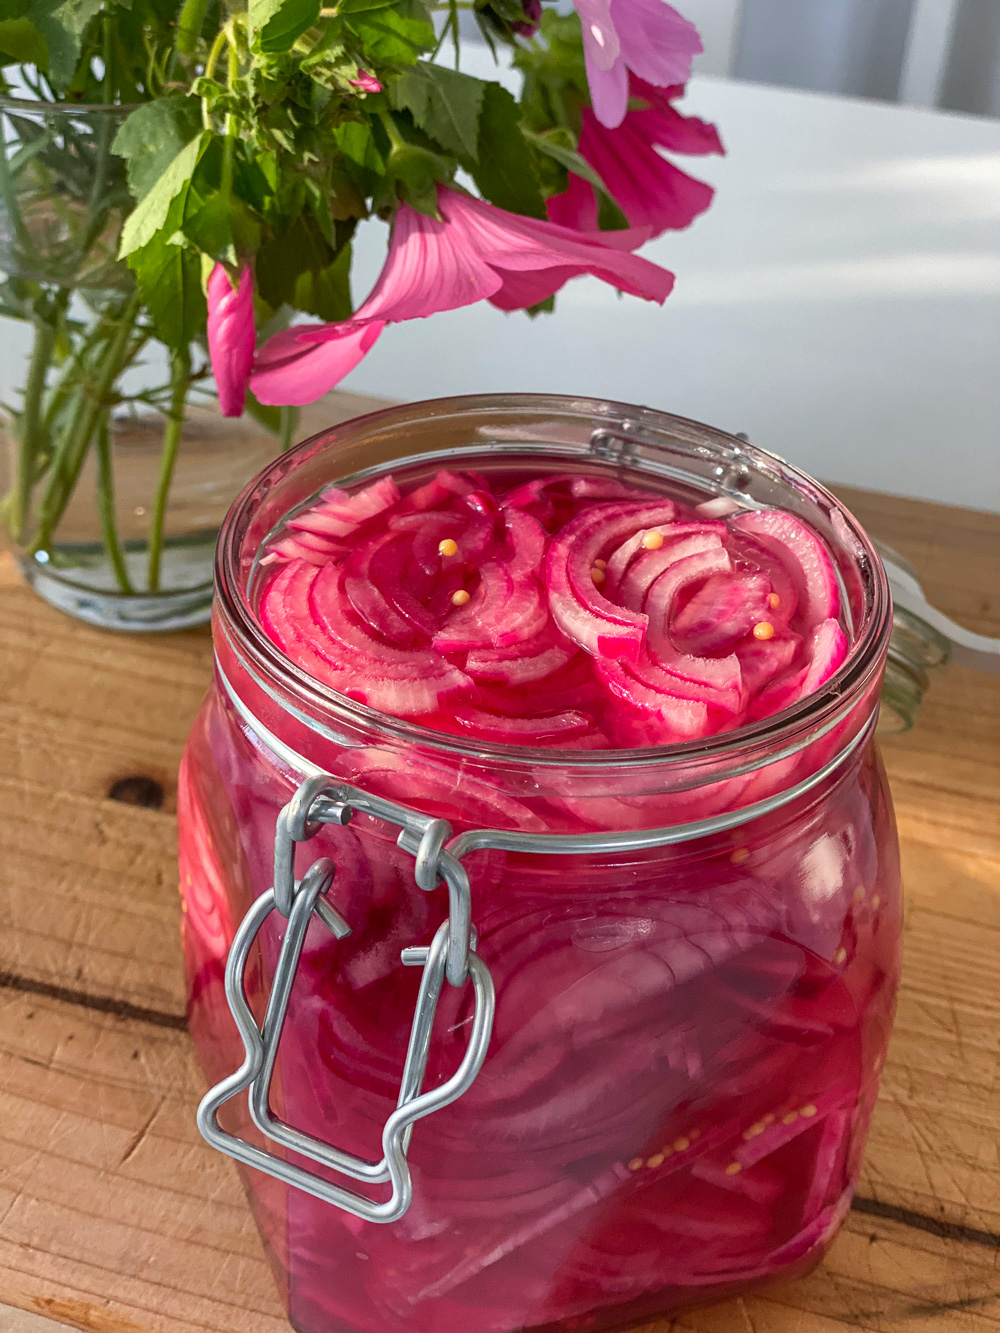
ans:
(116, 1218)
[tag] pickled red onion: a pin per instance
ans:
(555, 610)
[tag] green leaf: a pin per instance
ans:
(555, 145)
(21, 43)
(169, 278)
(151, 213)
(326, 292)
(152, 137)
(298, 268)
(545, 307)
(223, 228)
(361, 154)
(505, 170)
(416, 172)
(397, 34)
(443, 102)
(275, 24)
(62, 24)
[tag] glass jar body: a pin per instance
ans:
(662, 1019)
(688, 1038)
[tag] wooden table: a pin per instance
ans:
(116, 1218)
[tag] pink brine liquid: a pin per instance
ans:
(687, 1040)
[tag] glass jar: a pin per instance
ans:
(644, 1079)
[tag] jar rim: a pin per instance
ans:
(790, 729)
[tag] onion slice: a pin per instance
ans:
(578, 608)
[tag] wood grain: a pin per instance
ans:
(116, 1218)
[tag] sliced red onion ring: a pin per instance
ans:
(802, 554)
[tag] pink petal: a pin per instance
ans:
(576, 207)
(664, 125)
(231, 337)
(600, 40)
(515, 244)
(656, 42)
(650, 191)
(293, 369)
(608, 92)
(521, 290)
(431, 266)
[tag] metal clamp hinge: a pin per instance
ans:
(450, 956)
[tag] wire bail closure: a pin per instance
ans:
(451, 956)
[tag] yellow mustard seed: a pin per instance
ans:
(600, 564)
(652, 541)
(655, 1161)
(460, 598)
(598, 575)
(635, 1164)
(807, 1111)
(773, 600)
(790, 1118)
(681, 1144)
(840, 957)
(763, 630)
(448, 547)
(740, 856)
(733, 1169)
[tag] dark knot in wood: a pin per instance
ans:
(138, 790)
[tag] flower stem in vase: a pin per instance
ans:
(180, 379)
(106, 506)
(30, 424)
(93, 396)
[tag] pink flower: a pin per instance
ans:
(474, 252)
(366, 83)
(648, 37)
(231, 337)
(651, 192)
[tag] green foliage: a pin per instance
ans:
(505, 170)
(444, 103)
(153, 136)
(155, 207)
(398, 33)
(22, 43)
(304, 270)
(257, 139)
(555, 78)
(275, 24)
(62, 24)
(169, 278)
(560, 147)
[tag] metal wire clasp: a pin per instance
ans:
(451, 955)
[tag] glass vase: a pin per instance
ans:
(115, 474)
